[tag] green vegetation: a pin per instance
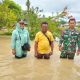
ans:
(10, 13)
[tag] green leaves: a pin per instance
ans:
(10, 12)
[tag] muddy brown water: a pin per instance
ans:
(32, 69)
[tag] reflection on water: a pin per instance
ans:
(32, 69)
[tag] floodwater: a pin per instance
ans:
(31, 68)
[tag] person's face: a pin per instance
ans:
(72, 24)
(44, 28)
(22, 25)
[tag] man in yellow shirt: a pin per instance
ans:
(43, 42)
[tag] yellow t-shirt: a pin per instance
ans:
(43, 43)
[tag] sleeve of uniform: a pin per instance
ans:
(36, 37)
(13, 40)
(78, 42)
(61, 39)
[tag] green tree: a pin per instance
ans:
(7, 16)
(16, 9)
(31, 16)
(28, 6)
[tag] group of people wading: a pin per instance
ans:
(69, 42)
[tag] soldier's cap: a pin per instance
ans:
(72, 19)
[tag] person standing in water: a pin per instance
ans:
(20, 36)
(68, 41)
(43, 42)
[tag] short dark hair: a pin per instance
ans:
(44, 23)
(72, 20)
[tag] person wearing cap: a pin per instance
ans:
(43, 42)
(69, 41)
(19, 36)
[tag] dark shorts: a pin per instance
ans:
(41, 56)
(23, 56)
(67, 55)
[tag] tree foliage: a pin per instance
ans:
(10, 12)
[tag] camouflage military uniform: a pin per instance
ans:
(70, 39)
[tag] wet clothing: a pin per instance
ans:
(23, 56)
(43, 43)
(17, 42)
(67, 55)
(41, 56)
(70, 40)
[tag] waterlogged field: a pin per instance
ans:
(32, 69)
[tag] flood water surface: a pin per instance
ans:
(30, 68)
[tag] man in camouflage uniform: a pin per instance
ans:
(70, 39)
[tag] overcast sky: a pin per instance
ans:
(50, 6)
